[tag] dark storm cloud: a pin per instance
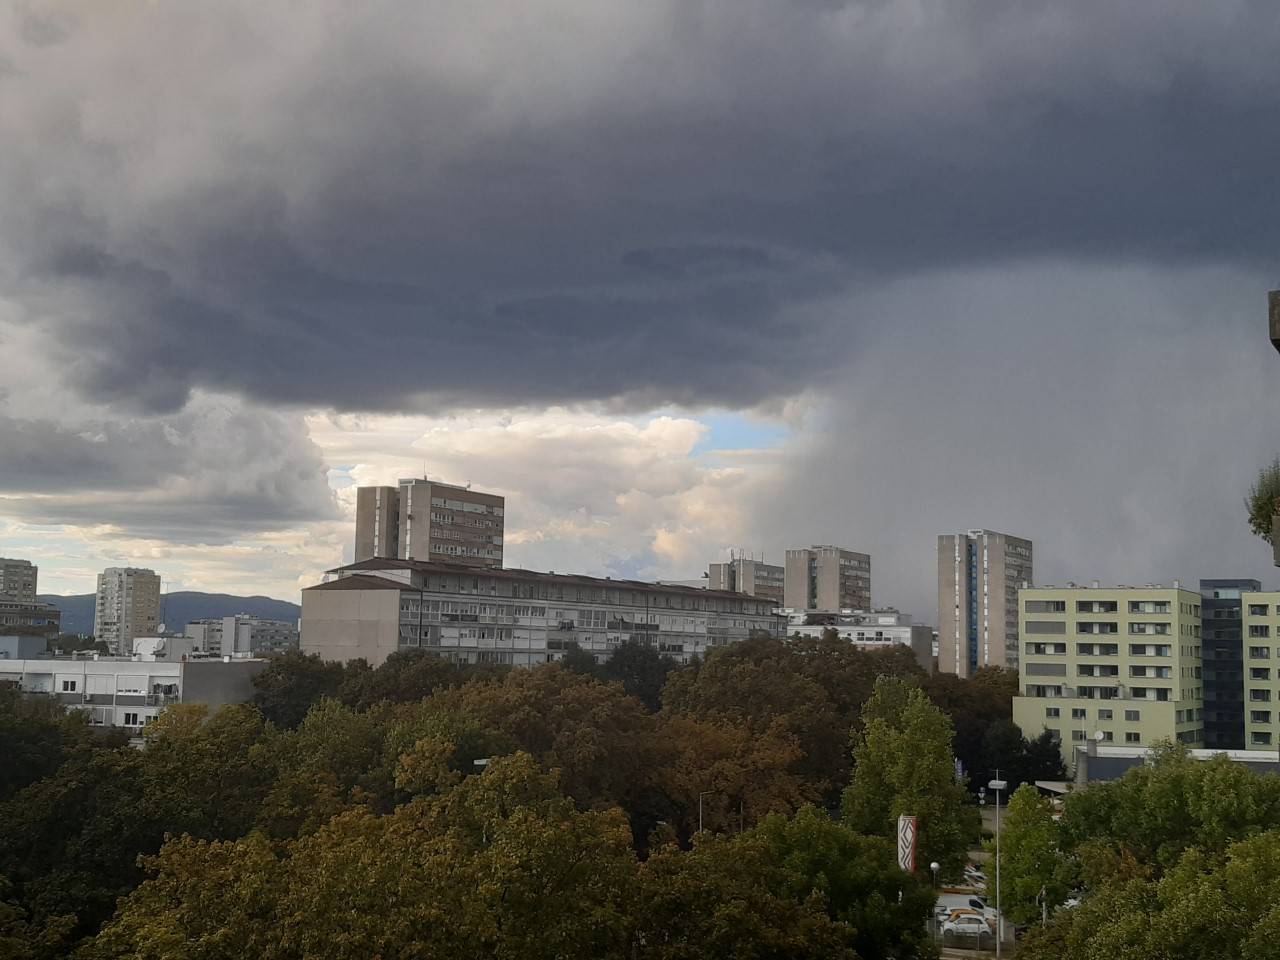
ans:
(493, 204)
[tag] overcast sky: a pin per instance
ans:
(675, 276)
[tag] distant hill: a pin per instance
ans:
(177, 609)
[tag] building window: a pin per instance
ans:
(1257, 630)
(1257, 609)
(1259, 673)
(1077, 713)
(131, 720)
(1132, 716)
(1260, 738)
(1260, 696)
(1132, 737)
(1259, 716)
(68, 686)
(1104, 714)
(1259, 653)
(1077, 735)
(1052, 712)
(1107, 736)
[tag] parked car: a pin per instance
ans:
(967, 924)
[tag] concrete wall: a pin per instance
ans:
(216, 682)
(346, 624)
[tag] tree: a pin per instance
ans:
(975, 706)
(641, 670)
(903, 765)
(409, 675)
(1033, 870)
(858, 878)
(760, 683)
(293, 681)
(1263, 500)
(36, 737)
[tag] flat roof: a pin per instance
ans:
(503, 573)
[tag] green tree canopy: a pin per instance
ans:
(903, 764)
(1032, 868)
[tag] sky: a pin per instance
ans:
(676, 277)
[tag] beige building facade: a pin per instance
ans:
(127, 606)
(754, 578)
(519, 617)
(979, 576)
(828, 579)
(18, 580)
(1116, 665)
(1260, 613)
(431, 521)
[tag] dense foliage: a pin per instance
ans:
(1178, 858)
(429, 809)
(1263, 501)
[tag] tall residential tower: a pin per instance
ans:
(128, 606)
(429, 520)
(827, 579)
(979, 575)
(754, 578)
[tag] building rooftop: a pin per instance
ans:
(352, 571)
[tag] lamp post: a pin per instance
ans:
(704, 793)
(935, 867)
(997, 786)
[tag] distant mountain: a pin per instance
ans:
(178, 609)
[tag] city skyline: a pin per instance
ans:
(787, 289)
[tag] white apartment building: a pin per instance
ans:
(131, 691)
(979, 575)
(869, 630)
(242, 634)
(520, 617)
(128, 606)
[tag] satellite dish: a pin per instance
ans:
(1098, 735)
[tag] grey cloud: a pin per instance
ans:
(214, 472)
(1114, 416)
(423, 204)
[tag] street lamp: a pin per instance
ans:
(997, 786)
(704, 793)
(935, 867)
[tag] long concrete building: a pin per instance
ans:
(428, 520)
(375, 607)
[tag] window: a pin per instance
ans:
(1259, 673)
(1107, 736)
(1132, 716)
(1257, 630)
(68, 686)
(1096, 606)
(1259, 716)
(1104, 714)
(1052, 712)
(1077, 713)
(1257, 609)
(1148, 606)
(131, 720)
(1077, 735)
(1260, 738)
(1132, 737)
(1260, 696)
(1259, 653)
(1045, 606)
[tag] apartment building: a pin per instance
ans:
(18, 580)
(131, 691)
(428, 520)
(979, 576)
(828, 579)
(1223, 649)
(1260, 617)
(521, 617)
(19, 616)
(242, 634)
(127, 606)
(868, 630)
(754, 578)
(1114, 665)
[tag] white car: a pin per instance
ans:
(967, 924)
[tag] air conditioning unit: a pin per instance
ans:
(86, 698)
